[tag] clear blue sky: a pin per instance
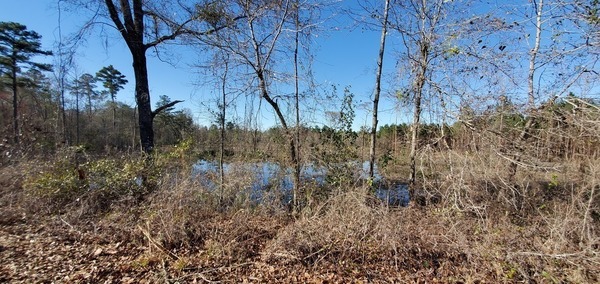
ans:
(342, 57)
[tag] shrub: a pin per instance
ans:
(73, 178)
(56, 183)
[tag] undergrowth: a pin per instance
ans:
(475, 225)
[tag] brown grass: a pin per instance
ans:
(477, 226)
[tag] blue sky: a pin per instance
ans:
(342, 57)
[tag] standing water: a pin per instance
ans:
(269, 176)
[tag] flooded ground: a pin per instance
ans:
(267, 176)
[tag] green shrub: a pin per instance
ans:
(56, 181)
(181, 156)
(72, 176)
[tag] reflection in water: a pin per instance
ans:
(269, 176)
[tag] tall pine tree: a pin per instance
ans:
(113, 81)
(17, 46)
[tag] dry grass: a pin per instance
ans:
(12, 199)
(540, 227)
(222, 224)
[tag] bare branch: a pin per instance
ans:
(166, 106)
(181, 30)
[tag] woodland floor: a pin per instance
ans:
(348, 243)
(50, 251)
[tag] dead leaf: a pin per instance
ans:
(97, 252)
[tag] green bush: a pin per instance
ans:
(56, 181)
(72, 176)
(181, 156)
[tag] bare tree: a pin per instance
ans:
(418, 22)
(378, 88)
(259, 42)
(222, 116)
(539, 8)
(297, 165)
(559, 62)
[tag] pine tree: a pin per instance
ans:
(113, 81)
(17, 46)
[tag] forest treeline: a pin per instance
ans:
(100, 124)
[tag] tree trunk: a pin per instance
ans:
(378, 91)
(415, 136)
(524, 135)
(222, 134)
(534, 52)
(15, 99)
(265, 95)
(418, 93)
(89, 108)
(77, 117)
(131, 28)
(114, 119)
(142, 98)
(420, 71)
(63, 111)
(297, 165)
(133, 128)
(290, 137)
